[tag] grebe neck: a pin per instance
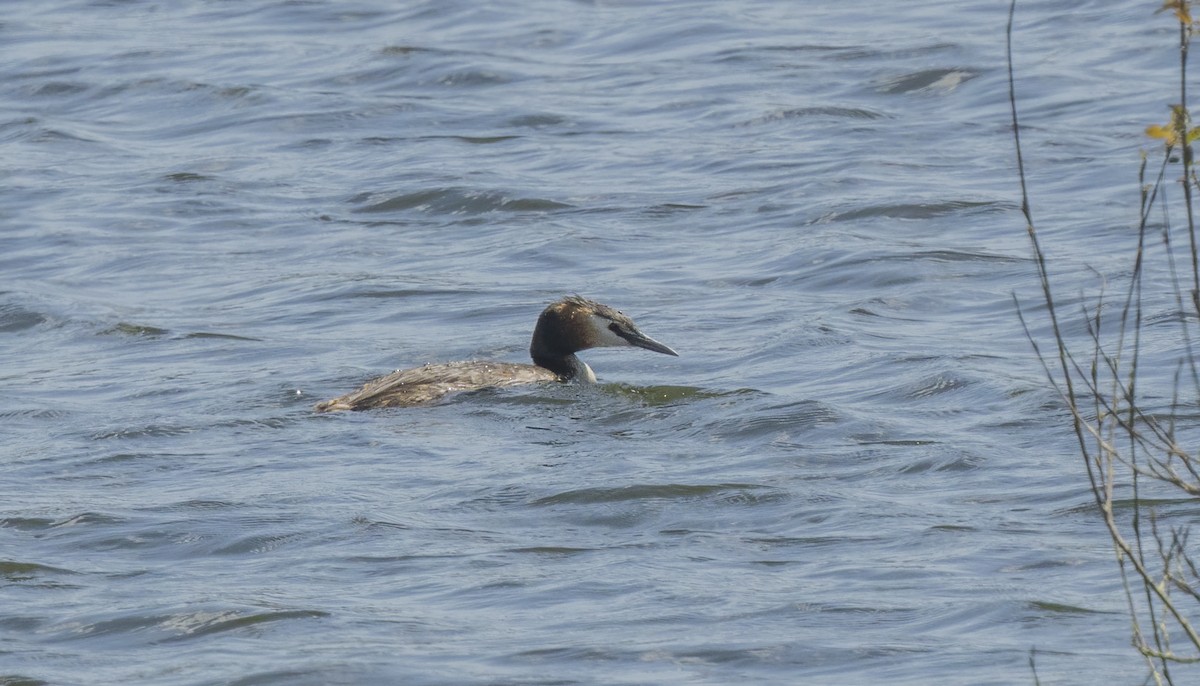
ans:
(568, 367)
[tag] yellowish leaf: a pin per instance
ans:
(1180, 8)
(1162, 132)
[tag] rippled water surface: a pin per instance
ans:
(214, 214)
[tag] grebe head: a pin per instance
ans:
(575, 323)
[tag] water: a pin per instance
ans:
(216, 214)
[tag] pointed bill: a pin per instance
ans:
(641, 340)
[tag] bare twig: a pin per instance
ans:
(1127, 447)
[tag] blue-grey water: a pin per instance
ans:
(215, 214)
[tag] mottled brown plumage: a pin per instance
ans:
(564, 328)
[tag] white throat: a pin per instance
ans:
(586, 375)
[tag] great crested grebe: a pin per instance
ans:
(563, 329)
